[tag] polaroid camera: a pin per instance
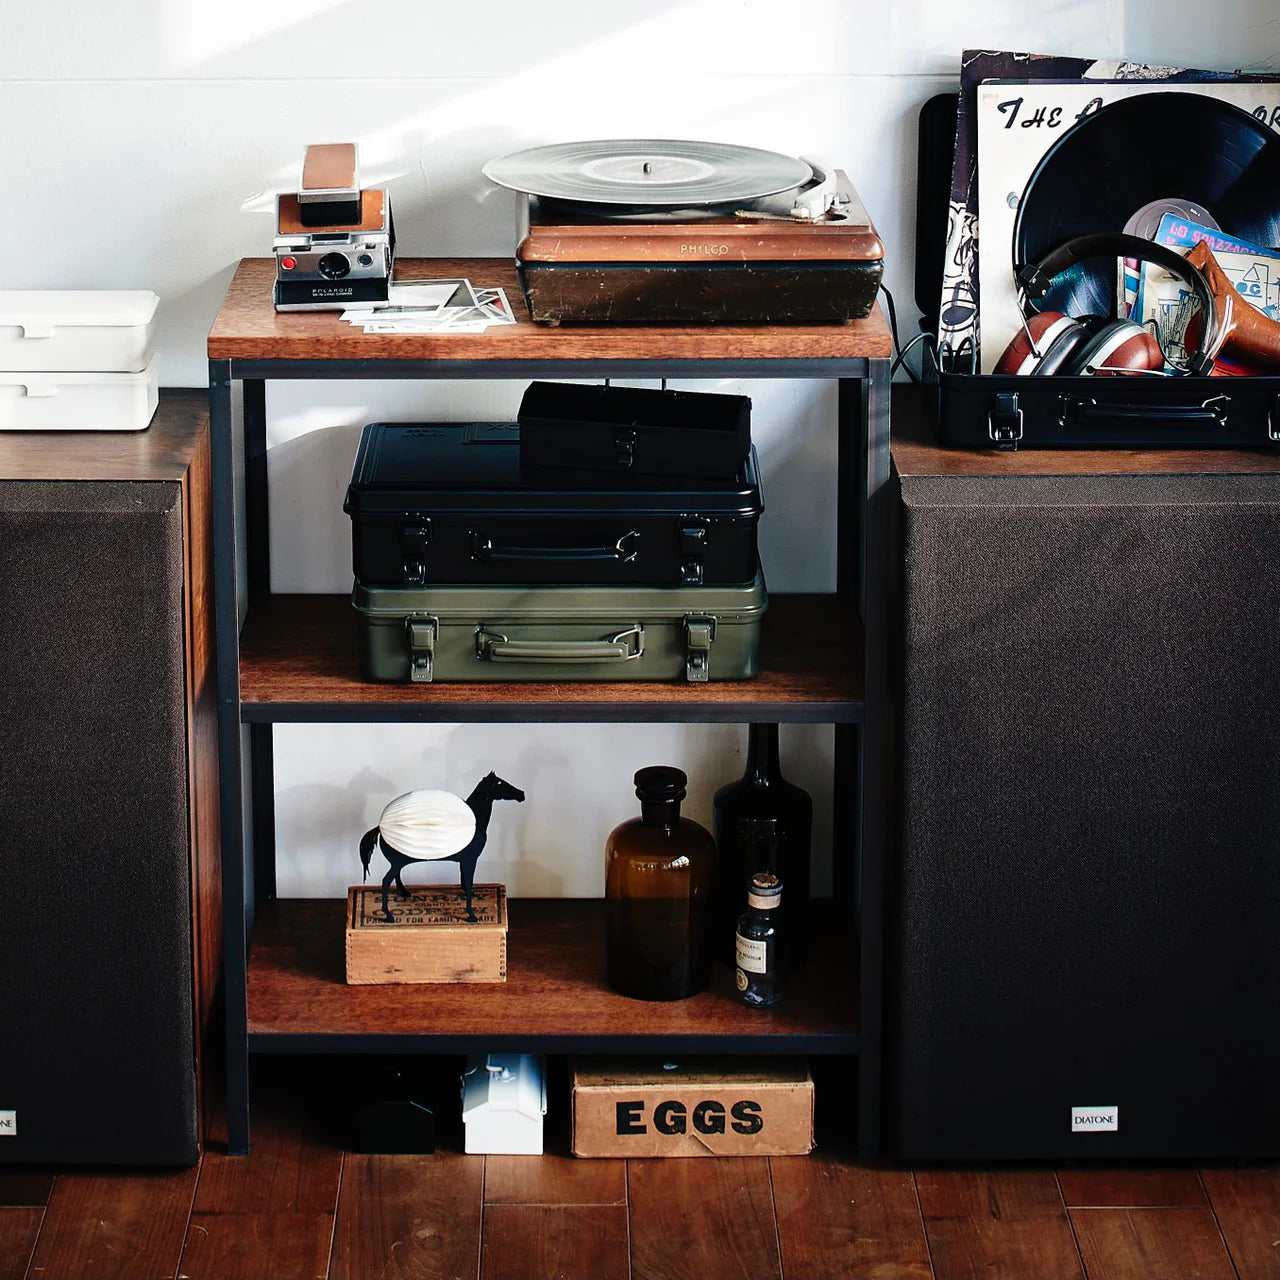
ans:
(335, 242)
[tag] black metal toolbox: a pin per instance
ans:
(693, 634)
(634, 431)
(442, 504)
(1003, 412)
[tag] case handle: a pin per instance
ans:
(1084, 411)
(626, 646)
(483, 547)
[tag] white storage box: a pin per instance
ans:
(78, 401)
(77, 331)
(504, 1097)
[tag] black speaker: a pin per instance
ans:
(1085, 927)
(108, 948)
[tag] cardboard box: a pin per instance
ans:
(430, 938)
(692, 1107)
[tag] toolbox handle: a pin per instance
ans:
(626, 646)
(1086, 411)
(483, 547)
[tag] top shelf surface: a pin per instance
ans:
(249, 328)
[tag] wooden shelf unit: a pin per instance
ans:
(298, 661)
(294, 658)
(555, 996)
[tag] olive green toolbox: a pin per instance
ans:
(560, 633)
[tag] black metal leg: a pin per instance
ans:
(263, 791)
(875, 772)
(256, 505)
(231, 798)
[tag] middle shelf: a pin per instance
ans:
(298, 662)
(554, 1000)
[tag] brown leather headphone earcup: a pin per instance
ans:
(1118, 347)
(1020, 357)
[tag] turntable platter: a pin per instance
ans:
(648, 173)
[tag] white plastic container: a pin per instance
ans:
(78, 401)
(77, 331)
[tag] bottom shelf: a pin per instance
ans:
(554, 1000)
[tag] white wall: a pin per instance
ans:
(142, 141)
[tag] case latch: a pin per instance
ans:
(693, 546)
(421, 634)
(414, 539)
(699, 632)
(624, 446)
(1004, 422)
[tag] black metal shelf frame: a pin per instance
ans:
(245, 733)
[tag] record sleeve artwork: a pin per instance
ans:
(1070, 159)
(958, 323)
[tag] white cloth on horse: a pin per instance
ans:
(428, 824)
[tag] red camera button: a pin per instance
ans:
(288, 263)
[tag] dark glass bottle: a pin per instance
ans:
(762, 823)
(658, 882)
(758, 945)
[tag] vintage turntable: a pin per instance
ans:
(653, 231)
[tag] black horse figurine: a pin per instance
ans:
(480, 802)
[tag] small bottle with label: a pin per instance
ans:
(756, 945)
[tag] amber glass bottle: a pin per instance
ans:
(762, 823)
(658, 881)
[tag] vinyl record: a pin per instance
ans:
(648, 173)
(1167, 147)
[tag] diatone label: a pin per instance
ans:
(1095, 1119)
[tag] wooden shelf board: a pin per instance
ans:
(249, 328)
(163, 451)
(917, 453)
(555, 994)
(299, 661)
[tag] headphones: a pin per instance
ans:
(1052, 343)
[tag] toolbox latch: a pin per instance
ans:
(414, 539)
(624, 445)
(1273, 419)
(421, 634)
(1004, 422)
(699, 632)
(693, 546)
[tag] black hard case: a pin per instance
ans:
(441, 504)
(990, 411)
(634, 430)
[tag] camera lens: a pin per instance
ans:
(334, 266)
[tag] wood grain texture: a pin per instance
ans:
(835, 1219)
(303, 649)
(554, 1179)
(114, 1227)
(691, 1219)
(997, 1224)
(1246, 1203)
(248, 327)
(269, 1213)
(202, 760)
(163, 451)
(18, 1231)
(1132, 1188)
(252, 1246)
(290, 1169)
(25, 1188)
(916, 452)
(555, 985)
(1139, 1244)
(410, 1216)
(555, 1242)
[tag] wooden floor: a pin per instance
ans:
(301, 1207)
